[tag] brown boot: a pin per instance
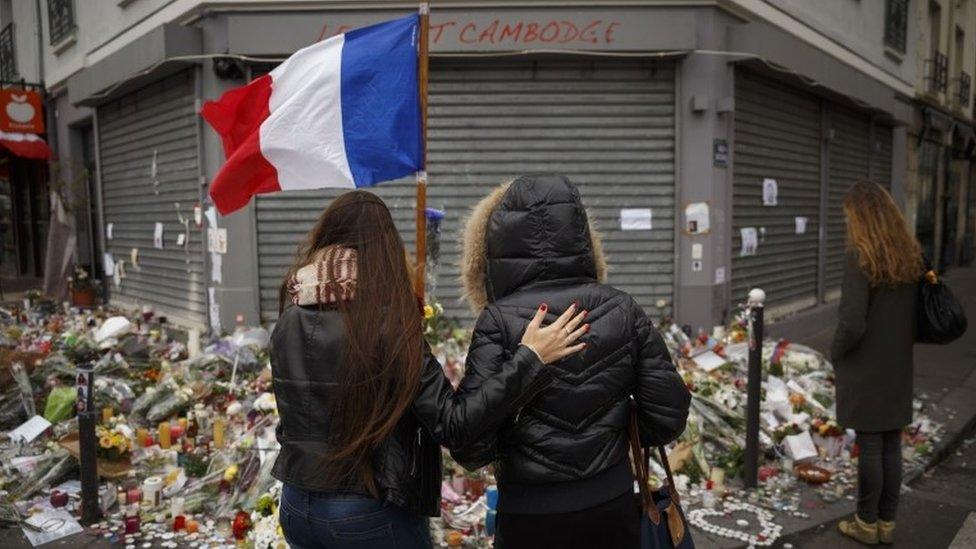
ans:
(886, 531)
(864, 532)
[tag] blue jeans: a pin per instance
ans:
(348, 521)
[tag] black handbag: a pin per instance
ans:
(940, 317)
(673, 531)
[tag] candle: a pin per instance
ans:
(107, 414)
(133, 495)
(192, 527)
(218, 432)
(193, 342)
(132, 524)
(179, 523)
(176, 506)
(182, 421)
(152, 490)
(164, 440)
(142, 434)
(59, 498)
(176, 431)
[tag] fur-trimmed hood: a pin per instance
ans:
(531, 229)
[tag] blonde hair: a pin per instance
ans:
(887, 252)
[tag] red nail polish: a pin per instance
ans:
(543, 307)
(584, 344)
(586, 328)
(576, 305)
(585, 313)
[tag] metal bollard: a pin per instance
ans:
(755, 310)
(87, 417)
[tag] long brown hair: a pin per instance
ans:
(876, 229)
(382, 354)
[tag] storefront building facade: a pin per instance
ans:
(941, 205)
(658, 112)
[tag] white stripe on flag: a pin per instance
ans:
(302, 137)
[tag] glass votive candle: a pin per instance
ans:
(179, 523)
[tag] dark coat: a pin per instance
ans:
(306, 355)
(872, 353)
(538, 248)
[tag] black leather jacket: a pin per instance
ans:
(305, 357)
(567, 448)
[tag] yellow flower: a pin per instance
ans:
(105, 442)
(230, 473)
(428, 311)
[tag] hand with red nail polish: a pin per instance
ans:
(557, 340)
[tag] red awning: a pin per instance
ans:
(26, 145)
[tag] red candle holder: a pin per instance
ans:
(179, 523)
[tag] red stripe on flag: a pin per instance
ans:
(237, 118)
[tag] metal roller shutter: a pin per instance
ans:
(849, 154)
(778, 136)
(608, 125)
(881, 155)
(158, 120)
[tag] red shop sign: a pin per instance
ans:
(21, 111)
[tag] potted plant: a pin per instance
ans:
(82, 289)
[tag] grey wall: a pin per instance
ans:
(237, 293)
(859, 26)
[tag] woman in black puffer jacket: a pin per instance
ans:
(564, 477)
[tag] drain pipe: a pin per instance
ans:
(40, 41)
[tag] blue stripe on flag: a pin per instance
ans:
(381, 102)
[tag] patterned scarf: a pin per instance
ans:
(327, 280)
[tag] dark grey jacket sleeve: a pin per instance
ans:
(853, 311)
(662, 396)
(459, 419)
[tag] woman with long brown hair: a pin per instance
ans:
(872, 352)
(363, 404)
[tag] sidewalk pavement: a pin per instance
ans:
(945, 382)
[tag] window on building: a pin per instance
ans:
(896, 24)
(937, 64)
(962, 78)
(60, 19)
(8, 58)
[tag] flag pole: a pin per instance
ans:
(423, 69)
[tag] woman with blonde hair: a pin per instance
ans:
(872, 352)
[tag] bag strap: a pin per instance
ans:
(640, 464)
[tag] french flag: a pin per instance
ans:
(344, 112)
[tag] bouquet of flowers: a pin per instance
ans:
(114, 439)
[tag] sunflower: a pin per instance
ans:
(428, 312)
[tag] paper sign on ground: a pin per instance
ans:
(696, 218)
(50, 525)
(750, 241)
(709, 360)
(29, 430)
(635, 219)
(109, 230)
(770, 192)
(180, 239)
